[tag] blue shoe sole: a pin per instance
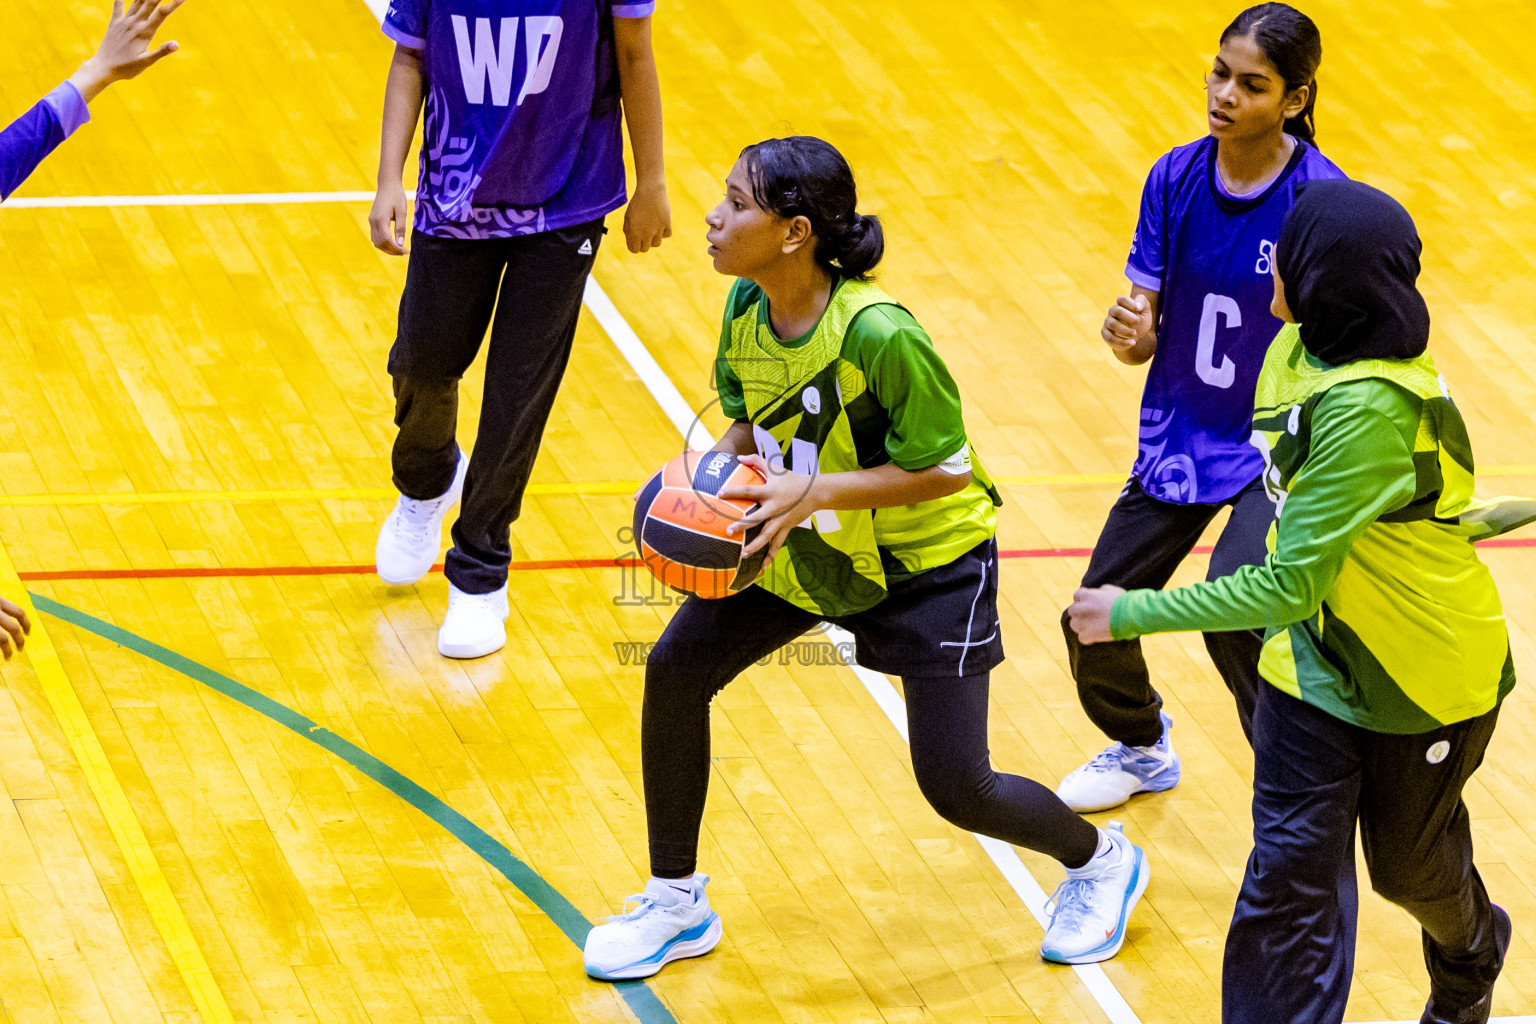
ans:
(696, 941)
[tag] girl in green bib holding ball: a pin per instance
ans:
(875, 516)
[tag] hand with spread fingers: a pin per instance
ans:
(124, 51)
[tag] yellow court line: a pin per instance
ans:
(591, 487)
(320, 494)
(151, 880)
(1061, 478)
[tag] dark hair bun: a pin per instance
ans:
(861, 247)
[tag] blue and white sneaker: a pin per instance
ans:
(1090, 909)
(1120, 772)
(661, 928)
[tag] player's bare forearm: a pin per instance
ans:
(1144, 348)
(883, 487)
(648, 219)
(785, 498)
(641, 88)
(402, 109)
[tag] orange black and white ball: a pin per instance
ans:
(680, 524)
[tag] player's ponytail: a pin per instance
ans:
(803, 176)
(1290, 41)
(859, 248)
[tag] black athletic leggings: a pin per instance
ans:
(709, 643)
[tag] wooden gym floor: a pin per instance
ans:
(241, 785)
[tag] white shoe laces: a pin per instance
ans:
(1107, 760)
(643, 902)
(1069, 903)
(481, 606)
(413, 521)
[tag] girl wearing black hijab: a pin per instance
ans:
(1387, 654)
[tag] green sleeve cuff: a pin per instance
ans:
(1122, 615)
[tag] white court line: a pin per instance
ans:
(222, 199)
(1003, 854)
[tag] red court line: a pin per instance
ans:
(536, 565)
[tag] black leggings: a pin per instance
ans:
(1142, 543)
(709, 643)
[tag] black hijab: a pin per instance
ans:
(1349, 257)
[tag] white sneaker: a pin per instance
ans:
(1119, 772)
(640, 942)
(475, 624)
(1089, 910)
(410, 538)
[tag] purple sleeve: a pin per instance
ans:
(1145, 265)
(1315, 167)
(67, 102)
(405, 22)
(38, 132)
(633, 8)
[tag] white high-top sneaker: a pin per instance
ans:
(410, 537)
(1119, 772)
(475, 624)
(640, 942)
(1090, 909)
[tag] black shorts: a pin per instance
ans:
(942, 622)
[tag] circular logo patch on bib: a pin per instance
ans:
(1437, 752)
(811, 399)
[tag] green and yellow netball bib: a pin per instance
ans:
(813, 410)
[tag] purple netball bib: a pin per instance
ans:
(555, 83)
(1208, 256)
(511, 87)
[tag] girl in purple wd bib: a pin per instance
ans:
(521, 159)
(1199, 310)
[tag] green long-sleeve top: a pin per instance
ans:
(1377, 606)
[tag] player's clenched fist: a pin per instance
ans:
(1128, 320)
(1090, 613)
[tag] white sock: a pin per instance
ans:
(1109, 854)
(669, 892)
(1104, 856)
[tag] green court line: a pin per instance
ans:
(641, 1000)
